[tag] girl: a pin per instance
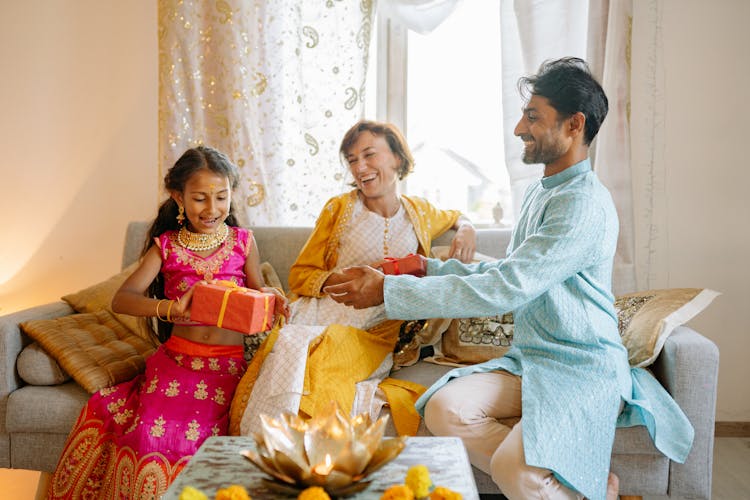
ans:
(131, 440)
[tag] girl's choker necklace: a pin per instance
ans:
(199, 242)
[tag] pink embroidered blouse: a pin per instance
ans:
(183, 268)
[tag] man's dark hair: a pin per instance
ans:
(569, 87)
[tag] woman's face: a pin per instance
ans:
(373, 165)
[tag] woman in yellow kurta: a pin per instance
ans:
(330, 351)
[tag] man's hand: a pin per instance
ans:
(363, 287)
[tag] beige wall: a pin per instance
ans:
(700, 198)
(78, 125)
(79, 91)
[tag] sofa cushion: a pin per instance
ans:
(94, 348)
(647, 318)
(475, 340)
(47, 410)
(36, 367)
(98, 297)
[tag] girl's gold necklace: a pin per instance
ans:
(199, 242)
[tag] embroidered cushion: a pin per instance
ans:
(99, 297)
(94, 348)
(646, 319)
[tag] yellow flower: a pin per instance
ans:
(443, 493)
(418, 479)
(314, 493)
(190, 493)
(398, 492)
(234, 492)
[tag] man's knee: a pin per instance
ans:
(438, 414)
(446, 411)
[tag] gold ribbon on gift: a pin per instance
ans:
(233, 287)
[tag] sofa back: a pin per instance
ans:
(280, 246)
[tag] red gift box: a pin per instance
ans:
(413, 264)
(233, 307)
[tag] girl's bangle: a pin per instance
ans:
(169, 311)
(158, 305)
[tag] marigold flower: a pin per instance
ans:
(418, 479)
(190, 493)
(443, 493)
(233, 492)
(314, 493)
(398, 492)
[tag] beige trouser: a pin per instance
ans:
(484, 410)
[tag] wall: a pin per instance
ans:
(691, 77)
(78, 128)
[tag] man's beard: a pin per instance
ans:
(543, 152)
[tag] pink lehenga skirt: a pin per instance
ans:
(131, 440)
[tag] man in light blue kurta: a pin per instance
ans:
(573, 368)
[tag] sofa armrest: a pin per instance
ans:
(688, 367)
(12, 342)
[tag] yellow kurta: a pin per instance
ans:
(320, 254)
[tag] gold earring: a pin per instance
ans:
(181, 215)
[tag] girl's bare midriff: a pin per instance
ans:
(208, 335)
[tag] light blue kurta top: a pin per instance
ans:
(556, 279)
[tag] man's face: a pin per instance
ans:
(541, 131)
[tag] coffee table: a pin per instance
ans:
(218, 464)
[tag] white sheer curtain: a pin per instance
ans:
(599, 32)
(274, 85)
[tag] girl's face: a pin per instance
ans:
(206, 199)
(373, 165)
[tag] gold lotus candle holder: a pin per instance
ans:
(330, 450)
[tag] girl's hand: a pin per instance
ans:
(281, 304)
(464, 243)
(181, 307)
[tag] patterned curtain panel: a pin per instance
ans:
(274, 85)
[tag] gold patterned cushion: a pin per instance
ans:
(99, 297)
(647, 318)
(475, 340)
(94, 348)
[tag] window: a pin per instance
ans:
(443, 89)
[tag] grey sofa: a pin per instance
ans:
(35, 420)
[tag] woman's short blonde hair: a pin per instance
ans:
(392, 135)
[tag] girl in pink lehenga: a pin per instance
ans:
(131, 440)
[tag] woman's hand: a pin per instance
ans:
(464, 243)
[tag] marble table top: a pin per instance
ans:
(218, 464)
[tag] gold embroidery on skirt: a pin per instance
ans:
(213, 364)
(173, 390)
(219, 396)
(152, 385)
(193, 432)
(201, 392)
(157, 430)
(197, 364)
(122, 418)
(115, 406)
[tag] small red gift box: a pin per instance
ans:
(413, 264)
(233, 307)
